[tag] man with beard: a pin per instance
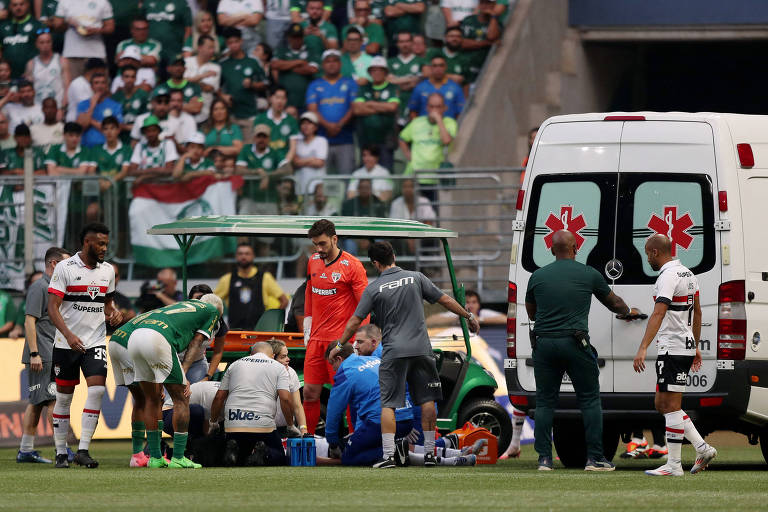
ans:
(242, 288)
(80, 300)
(456, 61)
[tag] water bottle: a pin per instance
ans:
(309, 451)
(295, 449)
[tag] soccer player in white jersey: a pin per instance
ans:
(80, 294)
(676, 324)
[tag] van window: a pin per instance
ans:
(677, 205)
(578, 203)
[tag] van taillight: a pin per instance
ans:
(746, 158)
(520, 199)
(512, 321)
(722, 200)
(731, 321)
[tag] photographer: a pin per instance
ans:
(161, 293)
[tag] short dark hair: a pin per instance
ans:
(454, 28)
(232, 32)
(94, 63)
(353, 30)
(199, 288)
(129, 67)
(140, 19)
(23, 82)
(268, 51)
(21, 130)
(373, 149)
(203, 38)
(98, 74)
(346, 350)
(55, 253)
(382, 253)
(72, 127)
(410, 36)
(322, 227)
(278, 88)
(110, 120)
(438, 56)
(473, 293)
(245, 244)
(93, 227)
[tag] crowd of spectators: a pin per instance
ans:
(284, 91)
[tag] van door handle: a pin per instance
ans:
(706, 324)
(526, 323)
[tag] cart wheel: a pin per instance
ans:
(489, 414)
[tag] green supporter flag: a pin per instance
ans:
(178, 323)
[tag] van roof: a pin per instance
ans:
(743, 127)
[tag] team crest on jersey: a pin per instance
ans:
(170, 7)
(93, 291)
(345, 263)
(285, 130)
(335, 276)
(56, 370)
(317, 257)
(189, 91)
(136, 104)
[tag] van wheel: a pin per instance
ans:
(568, 436)
(489, 414)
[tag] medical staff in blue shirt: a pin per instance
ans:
(356, 383)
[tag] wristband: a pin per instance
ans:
(338, 345)
(302, 426)
(34, 354)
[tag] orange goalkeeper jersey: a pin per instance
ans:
(332, 294)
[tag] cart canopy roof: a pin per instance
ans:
(295, 226)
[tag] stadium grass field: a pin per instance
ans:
(737, 481)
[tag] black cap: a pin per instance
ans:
(176, 59)
(22, 130)
(295, 30)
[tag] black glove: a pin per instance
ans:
(334, 451)
(308, 435)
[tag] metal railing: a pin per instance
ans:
(478, 203)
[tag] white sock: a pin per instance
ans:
(444, 452)
(453, 461)
(518, 420)
(429, 441)
(675, 433)
(388, 444)
(27, 443)
(61, 421)
(91, 411)
(692, 435)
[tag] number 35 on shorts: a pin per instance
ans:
(100, 353)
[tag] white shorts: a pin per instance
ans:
(122, 365)
(154, 360)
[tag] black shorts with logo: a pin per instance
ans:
(672, 372)
(419, 372)
(68, 363)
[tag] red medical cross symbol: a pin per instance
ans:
(566, 220)
(673, 227)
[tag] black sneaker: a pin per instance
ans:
(545, 463)
(230, 453)
(62, 460)
(389, 462)
(429, 460)
(601, 464)
(83, 458)
(401, 452)
(259, 455)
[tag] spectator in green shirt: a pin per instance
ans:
(13, 158)
(354, 62)
(481, 31)
(260, 160)
(374, 38)
(193, 163)
(456, 60)
(133, 100)
(376, 108)
(7, 314)
(18, 34)
(319, 34)
(404, 16)
(222, 135)
(170, 23)
(425, 139)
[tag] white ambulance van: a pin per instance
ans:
(614, 179)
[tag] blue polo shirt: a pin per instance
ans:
(108, 107)
(333, 101)
(451, 92)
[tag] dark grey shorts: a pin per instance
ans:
(42, 387)
(419, 372)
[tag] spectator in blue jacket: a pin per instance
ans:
(451, 92)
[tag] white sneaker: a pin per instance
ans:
(666, 470)
(703, 459)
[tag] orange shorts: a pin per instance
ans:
(316, 369)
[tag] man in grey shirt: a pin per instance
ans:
(37, 359)
(395, 299)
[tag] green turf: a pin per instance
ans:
(737, 481)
